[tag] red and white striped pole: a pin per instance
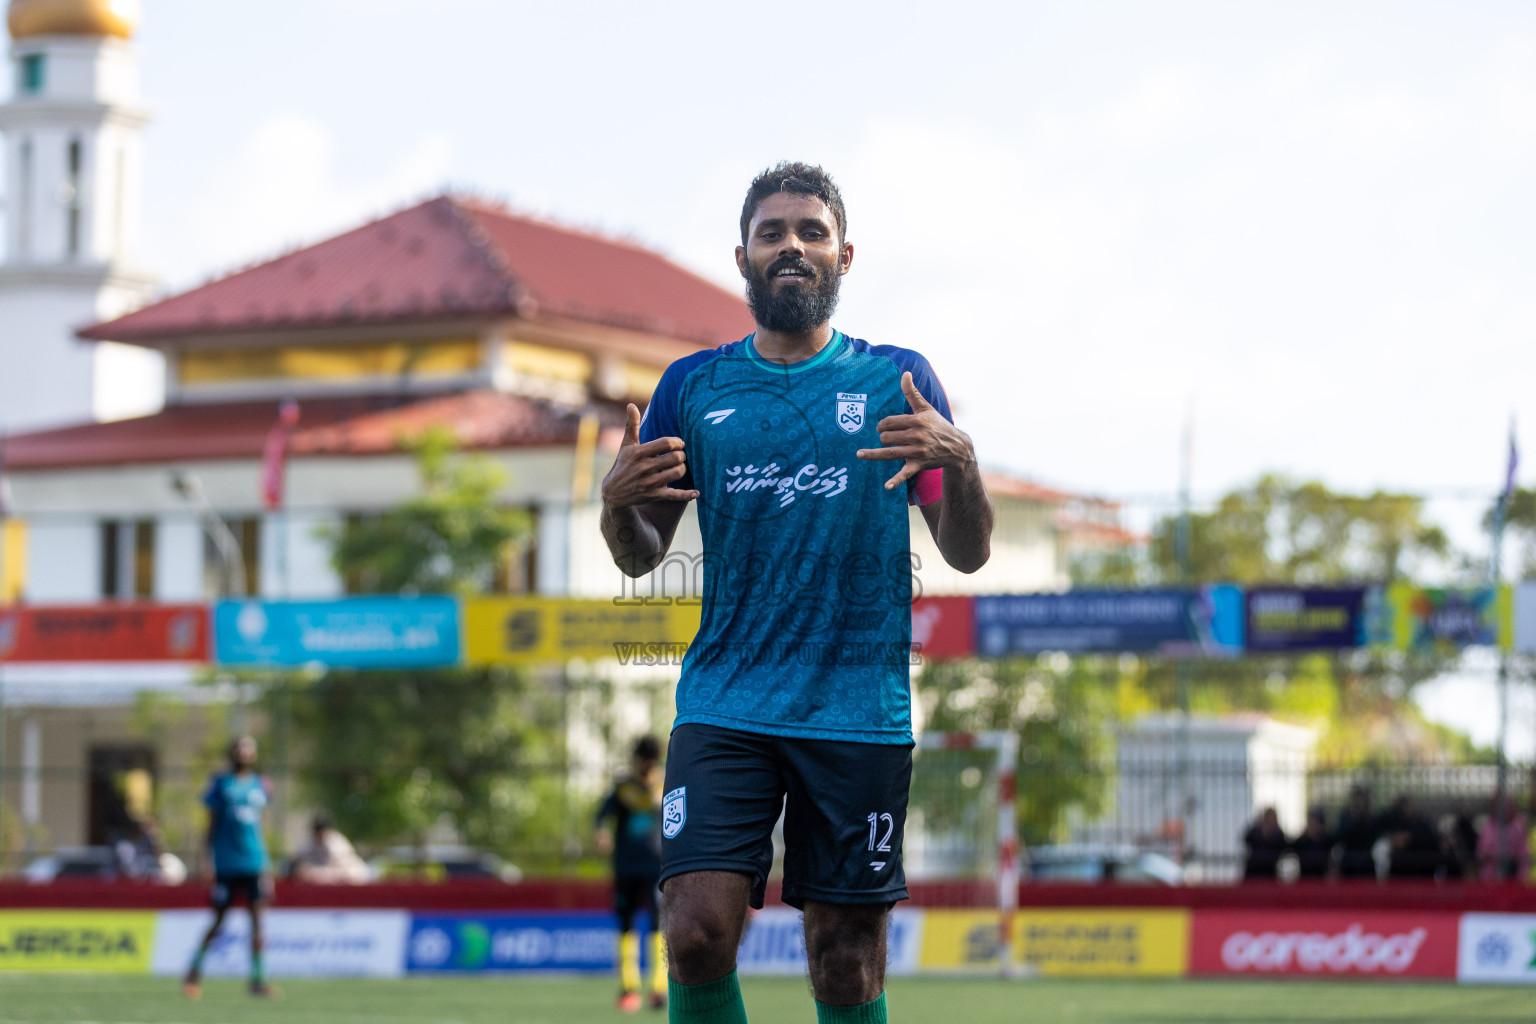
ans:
(1007, 851)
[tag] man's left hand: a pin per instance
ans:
(923, 439)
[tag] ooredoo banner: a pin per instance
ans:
(300, 943)
(1499, 948)
(1324, 943)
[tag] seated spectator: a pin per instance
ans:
(329, 859)
(1266, 843)
(1503, 850)
(1464, 847)
(1417, 851)
(1314, 847)
(1358, 831)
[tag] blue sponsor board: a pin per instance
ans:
(356, 632)
(457, 943)
(1308, 619)
(1208, 621)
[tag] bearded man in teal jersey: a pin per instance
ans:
(794, 696)
(236, 859)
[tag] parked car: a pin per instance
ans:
(1100, 862)
(105, 863)
(440, 863)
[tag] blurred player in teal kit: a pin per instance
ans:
(795, 694)
(634, 808)
(236, 858)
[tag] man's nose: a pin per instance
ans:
(791, 246)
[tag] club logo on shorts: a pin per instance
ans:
(674, 812)
(850, 412)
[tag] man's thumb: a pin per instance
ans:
(914, 397)
(631, 425)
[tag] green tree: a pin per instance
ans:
(391, 755)
(447, 538)
(1520, 527)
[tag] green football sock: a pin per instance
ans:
(258, 968)
(197, 960)
(714, 1002)
(872, 1012)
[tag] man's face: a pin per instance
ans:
(793, 263)
(243, 753)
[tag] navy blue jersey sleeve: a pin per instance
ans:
(665, 415)
(928, 486)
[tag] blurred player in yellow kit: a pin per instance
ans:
(634, 808)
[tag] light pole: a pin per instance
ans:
(224, 541)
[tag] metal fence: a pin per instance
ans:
(120, 800)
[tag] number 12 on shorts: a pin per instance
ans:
(884, 842)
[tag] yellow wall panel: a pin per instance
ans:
(533, 630)
(77, 940)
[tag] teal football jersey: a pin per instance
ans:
(807, 567)
(237, 804)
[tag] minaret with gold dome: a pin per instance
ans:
(73, 163)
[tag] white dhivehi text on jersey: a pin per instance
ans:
(827, 482)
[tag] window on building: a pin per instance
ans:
(24, 198)
(31, 70)
(517, 572)
(127, 559)
(247, 532)
(72, 229)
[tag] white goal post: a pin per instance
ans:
(1005, 748)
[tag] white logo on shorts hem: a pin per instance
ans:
(674, 812)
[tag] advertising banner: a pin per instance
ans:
(532, 630)
(1208, 621)
(1525, 617)
(299, 943)
(356, 632)
(77, 940)
(775, 943)
(1445, 619)
(1324, 943)
(943, 627)
(1307, 619)
(1498, 948)
(105, 632)
(1093, 942)
(458, 943)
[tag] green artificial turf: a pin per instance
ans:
(102, 999)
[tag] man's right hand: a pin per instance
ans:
(643, 473)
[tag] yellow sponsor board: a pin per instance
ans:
(532, 630)
(1063, 943)
(77, 940)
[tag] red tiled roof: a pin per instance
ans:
(330, 426)
(448, 259)
(1025, 490)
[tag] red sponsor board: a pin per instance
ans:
(127, 632)
(943, 627)
(1324, 943)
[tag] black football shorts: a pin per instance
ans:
(229, 889)
(844, 806)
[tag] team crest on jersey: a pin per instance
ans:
(674, 812)
(850, 412)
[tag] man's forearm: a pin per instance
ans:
(633, 540)
(965, 518)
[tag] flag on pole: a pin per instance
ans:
(274, 456)
(5, 484)
(1514, 464)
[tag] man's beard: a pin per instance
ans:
(795, 309)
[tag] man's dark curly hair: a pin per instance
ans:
(799, 179)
